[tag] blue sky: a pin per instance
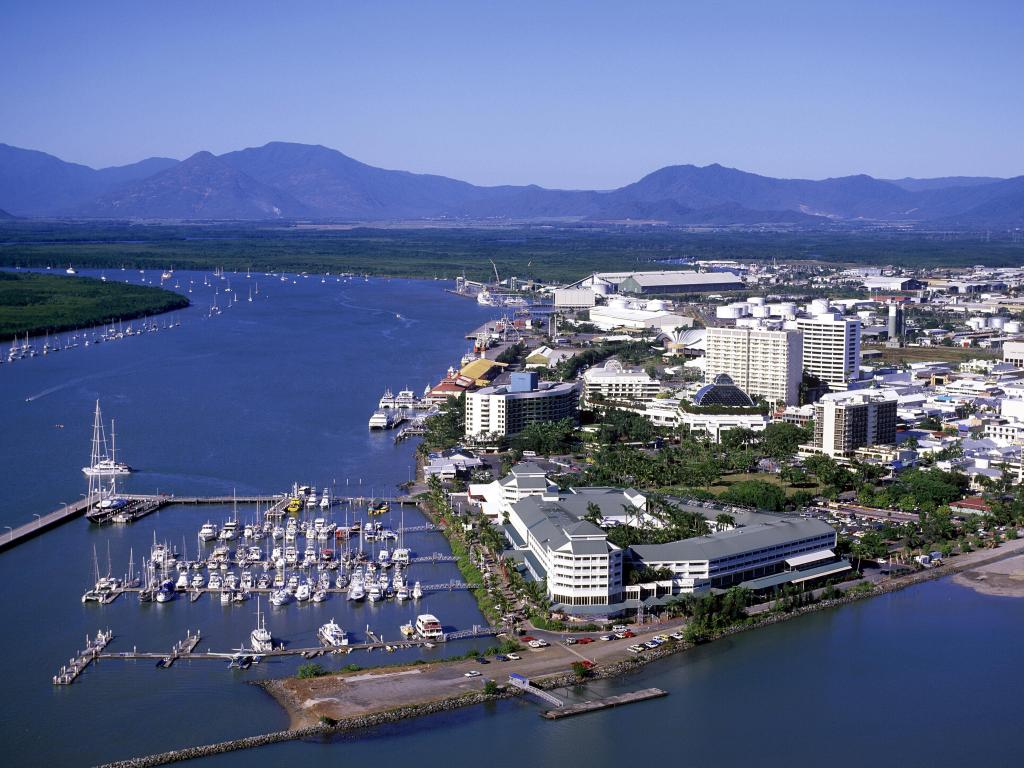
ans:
(558, 93)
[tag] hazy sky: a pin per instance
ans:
(564, 94)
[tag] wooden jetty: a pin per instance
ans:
(606, 703)
(76, 665)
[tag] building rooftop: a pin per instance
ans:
(735, 541)
(722, 391)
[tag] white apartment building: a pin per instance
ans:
(831, 348)
(760, 362)
(615, 384)
(845, 421)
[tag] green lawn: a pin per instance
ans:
(723, 485)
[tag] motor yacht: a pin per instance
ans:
(332, 635)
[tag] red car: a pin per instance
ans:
(627, 633)
(528, 639)
(585, 640)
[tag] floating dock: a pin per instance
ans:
(605, 703)
(145, 504)
(77, 664)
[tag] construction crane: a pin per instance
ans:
(497, 280)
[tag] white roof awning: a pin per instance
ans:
(810, 557)
(818, 573)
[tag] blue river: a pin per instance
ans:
(278, 390)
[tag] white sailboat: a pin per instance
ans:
(102, 463)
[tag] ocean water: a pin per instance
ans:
(265, 394)
(278, 391)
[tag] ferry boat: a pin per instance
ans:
(386, 418)
(428, 627)
(260, 637)
(332, 635)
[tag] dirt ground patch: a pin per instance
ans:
(1005, 578)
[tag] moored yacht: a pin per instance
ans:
(260, 637)
(208, 532)
(332, 635)
(428, 627)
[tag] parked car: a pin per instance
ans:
(570, 641)
(585, 640)
(514, 657)
(605, 637)
(481, 660)
(471, 673)
(501, 657)
(619, 628)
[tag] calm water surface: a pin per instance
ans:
(279, 391)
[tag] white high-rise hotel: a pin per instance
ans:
(831, 348)
(760, 362)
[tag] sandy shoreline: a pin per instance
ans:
(1004, 578)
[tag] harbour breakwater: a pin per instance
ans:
(323, 730)
(618, 668)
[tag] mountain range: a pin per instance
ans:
(286, 181)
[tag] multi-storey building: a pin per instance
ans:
(612, 383)
(504, 410)
(580, 565)
(760, 362)
(845, 421)
(831, 348)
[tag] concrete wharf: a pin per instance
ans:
(606, 703)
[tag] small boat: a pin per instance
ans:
(281, 597)
(208, 532)
(417, 591)
(302, 592)
(375, 593)
(407, 629)
(225, 596)
(332, 635)
(319, 596)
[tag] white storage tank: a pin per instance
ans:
(730, 312)
(617, 303)
(997, 322)
(759, 310)
(1011, 326)
(756, 301)
(977, 323)
(656, 305)
(820, 307)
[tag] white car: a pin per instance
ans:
(605, 637)
(471, 673)
(514, 657)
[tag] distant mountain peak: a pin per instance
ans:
(282, 180)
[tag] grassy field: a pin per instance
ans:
(728, 480)
(932, 354)
(551, 253)
(723, 485)
(34, 304)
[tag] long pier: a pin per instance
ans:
(605, 703)
(144, 504)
